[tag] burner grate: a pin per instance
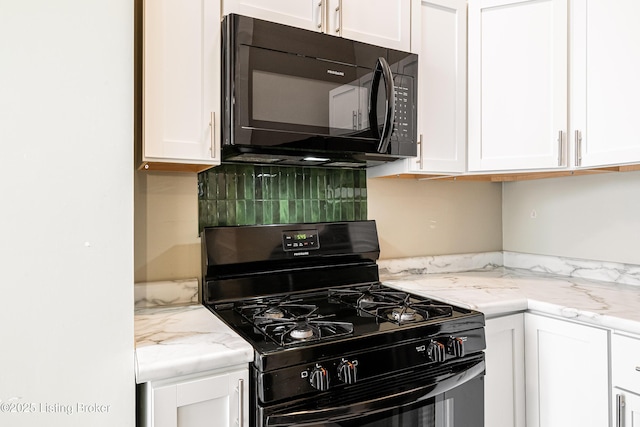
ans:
(288, 321)
(391, 305)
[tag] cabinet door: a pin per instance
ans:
(307, 14)
(439, 37)
(517, 84)
(504, 381)
(442, 86)
(380, 22)
(604, 81)
(181, 80)
(567, 371)
(627, 409)
(219, 400)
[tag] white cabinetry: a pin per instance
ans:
(307, 14)
(180, 41)
(517, 84)
(439, 37)
(605, 87)
(213, 400)
(567, 372)
(380, 22)
(504, 394)
(625, 379)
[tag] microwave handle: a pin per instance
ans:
(382, 71)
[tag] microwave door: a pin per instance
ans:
(347, 103)
(382, 71)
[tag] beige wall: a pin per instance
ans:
(417, 218)
(166, 239)
(414, 218)
(592, 217)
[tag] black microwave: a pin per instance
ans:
(298, 97)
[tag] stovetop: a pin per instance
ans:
(304, 294)
(289, 328)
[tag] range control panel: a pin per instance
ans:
(300, 240)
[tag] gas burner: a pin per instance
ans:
(301, 332)
(265, 310)
(273, 313)
(404, 314)
(288, 332)
(366, 296)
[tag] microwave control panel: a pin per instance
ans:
(404, 107)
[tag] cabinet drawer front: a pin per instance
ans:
(625, 362)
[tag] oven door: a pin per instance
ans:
(446, 397)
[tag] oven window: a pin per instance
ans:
(432, 414)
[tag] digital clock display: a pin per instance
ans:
(300, 240)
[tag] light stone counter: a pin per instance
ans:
(496, 290)
(176, 341)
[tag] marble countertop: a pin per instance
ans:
(177, 341)
(502, 290)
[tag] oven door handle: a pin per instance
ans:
(368, 407)
(382, 71)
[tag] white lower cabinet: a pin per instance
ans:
(627, 408)
(567, 373)
(504, 380)
(216, 399)
(625, 379)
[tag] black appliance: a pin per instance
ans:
(334, 346)
(297, 97)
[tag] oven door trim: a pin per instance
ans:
(420, 392)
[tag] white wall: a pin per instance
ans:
(592, 217)
(66, 222)
(418, 218)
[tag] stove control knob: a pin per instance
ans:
(455, 347)
(319, 378)
(436, 351)
(348, 371)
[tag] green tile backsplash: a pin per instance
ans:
(247, 194)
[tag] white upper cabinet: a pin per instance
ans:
(442, 85)
(307, 14)
(439, 37)
(605, 87)
(180, 83)
(517, 84)
(381, 22)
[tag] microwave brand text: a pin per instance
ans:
(335, 73)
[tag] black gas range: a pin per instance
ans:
(332, 345)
